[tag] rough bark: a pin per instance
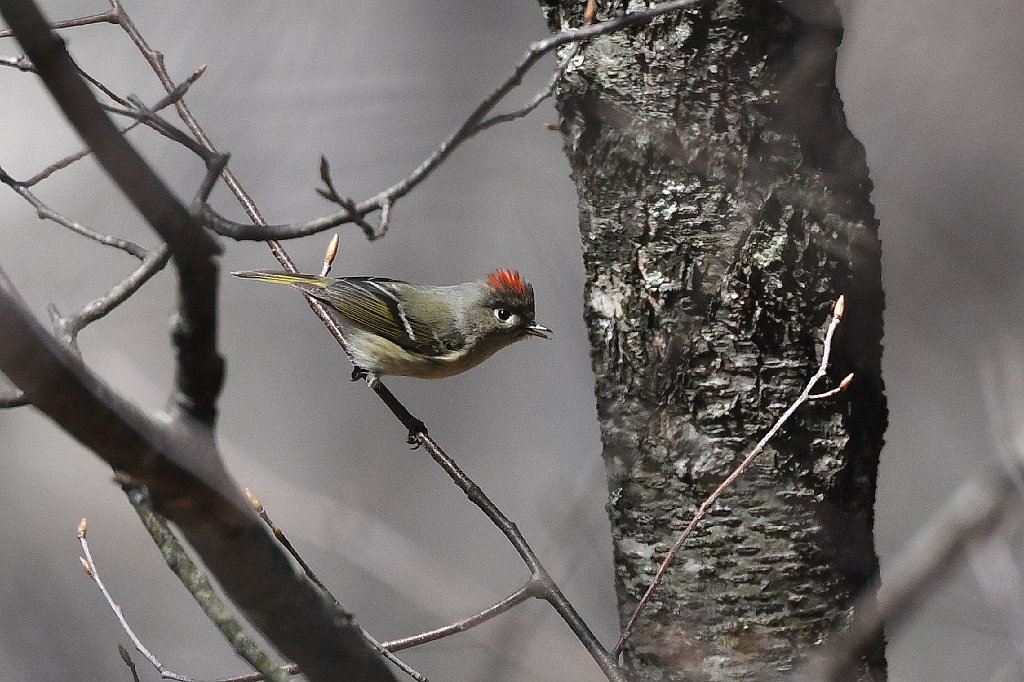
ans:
(724, 205)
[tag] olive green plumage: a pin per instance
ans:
(398, 328)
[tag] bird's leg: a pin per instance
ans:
(414, 425)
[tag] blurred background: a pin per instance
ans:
(934, 92)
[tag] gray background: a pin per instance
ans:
(933, 91)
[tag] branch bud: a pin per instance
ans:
(332, 248)
(839, 308)
(254, 501)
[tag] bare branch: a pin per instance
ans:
(286, 543)
(537, 99)
(135, 108)
(44, 212)
(179, 464)
(468, 128)
(99, 307)
(280, 536)
(107, 17)
(805, 396)
(93, 572)
(102, 88)
(173, 96)
(200, 368)
(506, 604)
(542, 582)
(330, 193)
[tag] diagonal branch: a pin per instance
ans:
(198, 584)
(176, 460)
(44, 212)
(200, 367)
(473, 124)
(805, 396)
(92, 570)
(107, 17)
(179, 464)
(173, 96)
(541, 584)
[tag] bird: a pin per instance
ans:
(396, 328)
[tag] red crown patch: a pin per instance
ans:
(507, 281)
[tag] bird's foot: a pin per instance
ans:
(359, 373)
(417, 428)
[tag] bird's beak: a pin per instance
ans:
(538, 330)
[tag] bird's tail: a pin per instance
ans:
(311, 284)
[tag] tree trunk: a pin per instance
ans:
(724, 206)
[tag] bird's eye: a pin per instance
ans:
(503, 314)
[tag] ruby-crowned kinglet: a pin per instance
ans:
(398, 328)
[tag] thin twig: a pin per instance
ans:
(172, 97)
(805, 396)
(44, 212)
(137, 110)
(152, 262)
(107, 17)
(99, 307)
(526, 109)
(402, 665)
(101, 87)
(506, 604)
(545, 586)
(90, 569)
(330, 192)
(291, 668)
(279, 534)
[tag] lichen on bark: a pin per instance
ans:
(724, 205)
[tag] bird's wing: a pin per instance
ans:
(372, 304)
